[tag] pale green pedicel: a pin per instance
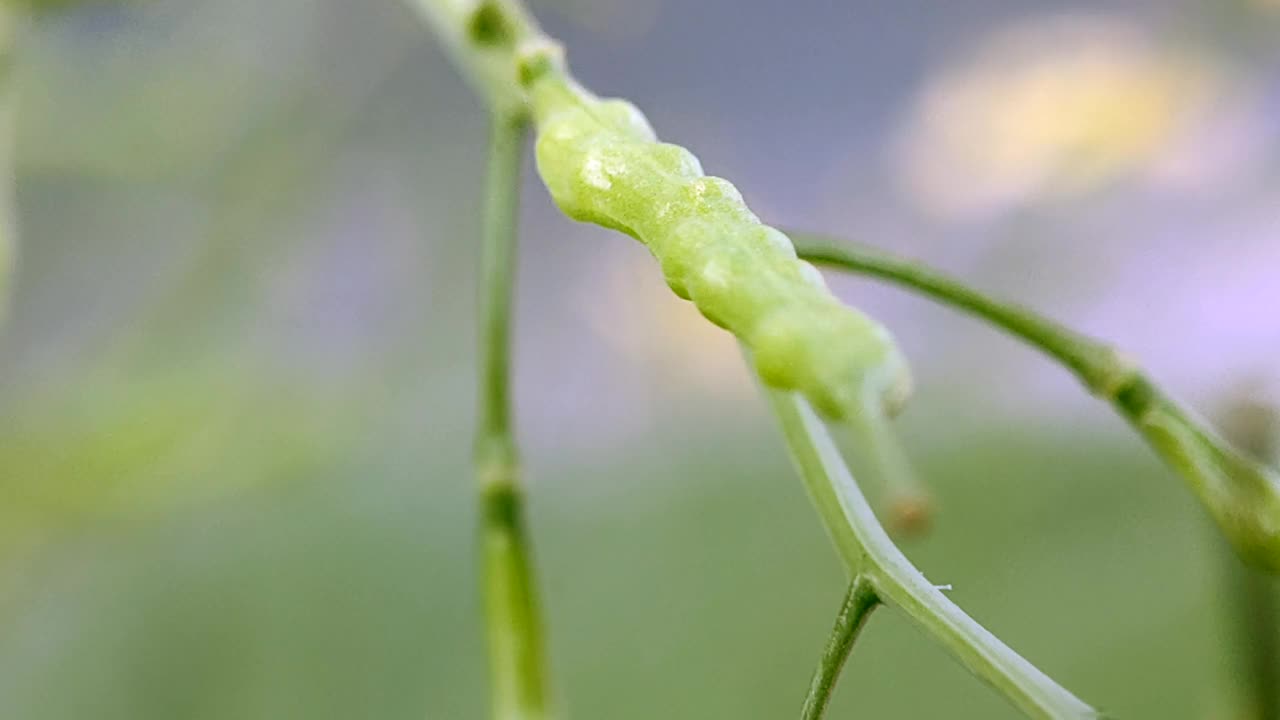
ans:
(603, 165)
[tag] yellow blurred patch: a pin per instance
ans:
(1047, 108)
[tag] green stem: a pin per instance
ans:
(517, 664)
(1242, 495)
(1251, 605)
(1098, 366)
(868, 551)
(9, 19)
(1252, 612)
(483, 36)
(858, 603)
(507, 136)
(905, 503)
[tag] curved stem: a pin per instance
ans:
(1242, 495)
(868, 551)
(1097, 365)
(858, 603)
(516, 658)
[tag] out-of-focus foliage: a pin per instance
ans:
(235, 383)
(705, 577)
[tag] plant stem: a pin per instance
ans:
(482, 36)
(517, 664)
(1241, 494)
(1251, 604)
(1252, 612)
(868, 551)
(10, 17)
(858, 603)
(1097, 365)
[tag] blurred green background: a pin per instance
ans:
(236, 383)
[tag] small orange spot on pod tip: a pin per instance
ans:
(910, 514)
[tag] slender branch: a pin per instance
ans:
(517, 664)
(507, 136)
(1242, 495)
(858, 603)
(1099, 367)
(868, 551)
(483, 36)
(1251, 605)
(10, 16)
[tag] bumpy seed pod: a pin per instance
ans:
(602, 164)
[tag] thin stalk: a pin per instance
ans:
(517, 664)
(858, 603)
(1097, 365)
(906, 504)
(1254, 618)
(868, 551)
(1241, 494)
(1250, 601)
(9, 20)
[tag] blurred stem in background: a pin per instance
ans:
(1250, 603)
(517, 661)
(10, 17)
(258, 188)
(906, 506)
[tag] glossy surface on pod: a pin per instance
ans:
(603, 164)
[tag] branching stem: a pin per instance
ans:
(858, 603)
(868, 552)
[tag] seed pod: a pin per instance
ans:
(603, 164)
